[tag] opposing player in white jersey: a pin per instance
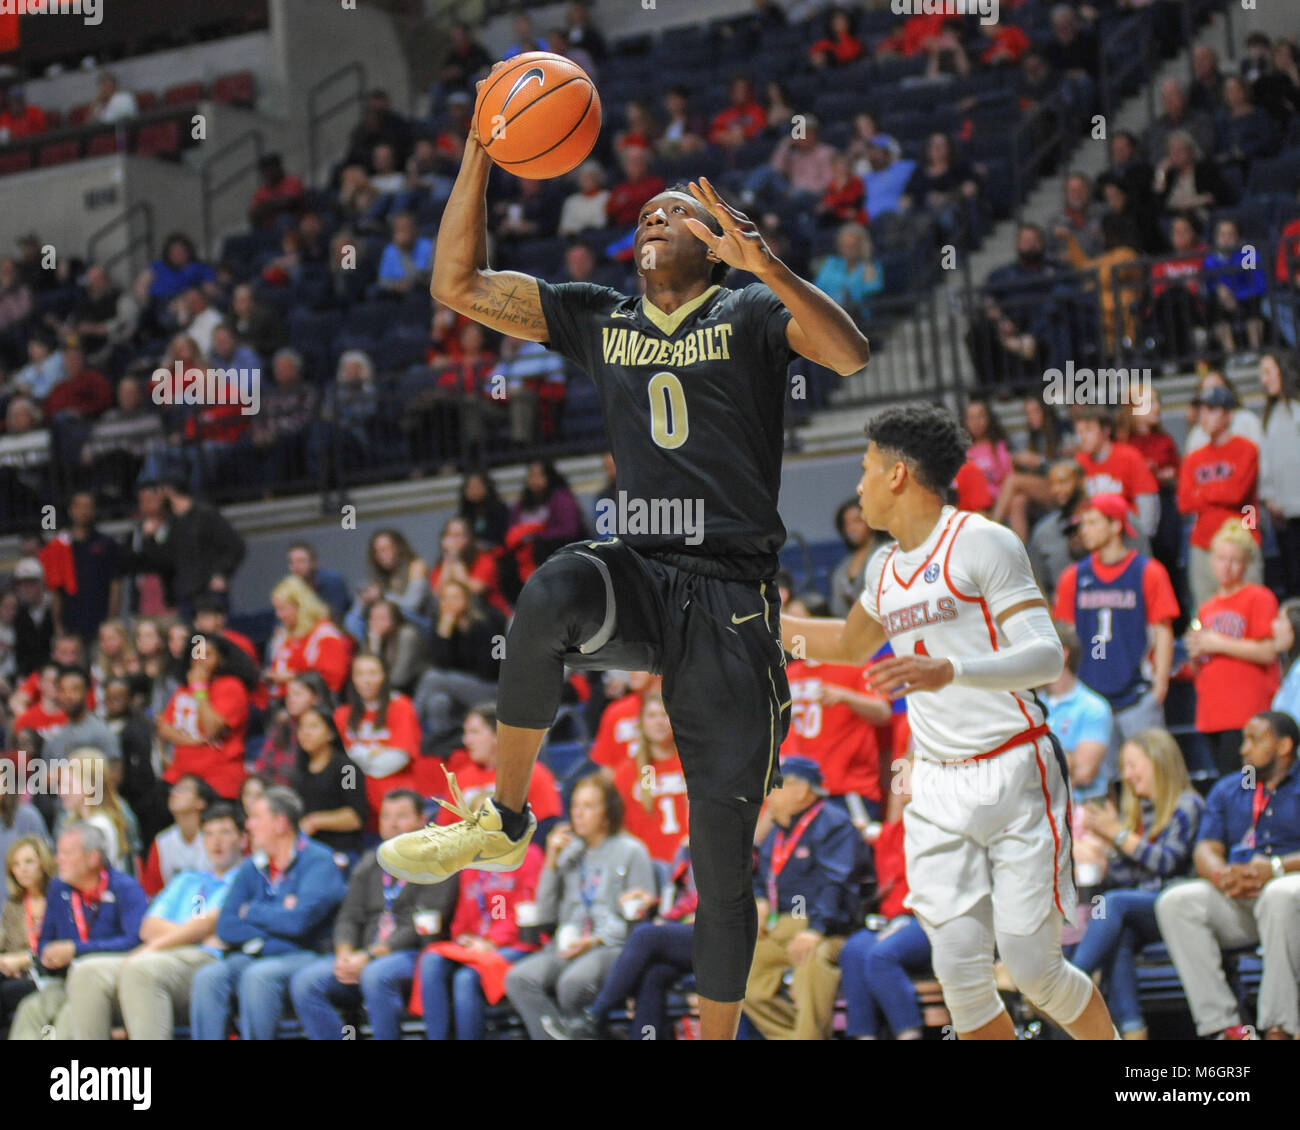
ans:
(987, 835)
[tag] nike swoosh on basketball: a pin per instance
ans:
(741, 619)
(528, 75)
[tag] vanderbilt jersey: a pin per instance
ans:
(694, 407)
(942, 599)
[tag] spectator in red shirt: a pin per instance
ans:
(833, 721)
(1217, 483)
(380, 732)
(1143, 431)
(204, 720)
(1232, 645)
(44, 716)
(971, 489)
(653, 784)
(17, 118)
(305, 639)
(639, 184)
(839, 46)
(741, 120)
(845, 197)
(83, 392)
(1116, 468)
(619, 727)
(460, 559)
(1176, 299)
(471, 771)
(279, 194)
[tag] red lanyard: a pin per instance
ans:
(783, 848)
(83, 932)
(33, 930)
(1258, 803)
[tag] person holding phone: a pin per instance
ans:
(1152, 833)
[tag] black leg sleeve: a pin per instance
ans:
(726, 920)
(567, 603)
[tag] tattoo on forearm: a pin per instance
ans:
(510, 306)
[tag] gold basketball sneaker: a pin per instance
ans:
(475, 841)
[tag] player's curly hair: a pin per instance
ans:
(927, 436)
(717, 271)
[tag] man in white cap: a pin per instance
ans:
(34, 621)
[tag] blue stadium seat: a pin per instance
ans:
(1279, 175)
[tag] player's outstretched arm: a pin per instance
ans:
(820, 329)
(854, 640)
(506, 301)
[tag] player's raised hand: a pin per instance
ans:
(740, 245)
(473, 118)
(904, 674)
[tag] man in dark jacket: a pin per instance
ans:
(381, 927)
(94, 595)
(197, 550)
(804, 884)
(274, 922)
(90, 908)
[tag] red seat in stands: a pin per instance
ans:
(15, 162)
(58, 152)
(146, 101)
(53, 119)
(183, 94)
(102, 143)
(161, 139)
(79, 115)
(234, 88)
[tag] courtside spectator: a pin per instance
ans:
(92, 593)
(331, 788)
(1081, 719)
(394, 570)
(1054, 540)
(91, 908)
(1279, 459)
(461, 559)
(848, 577)
(206, 718)
(467, 646)
(652, 784)
(398, 644)
(1248, 892)
(589, 865)
(1243, 422)
(305, 639)
(380, 730)
(29, 867)
(814, 881)
(147, 987)
(376, 940)
(278, 758)
(180, 847)
(1152, 837)
(1217, 483)
(1232, 646)
(1122, 606)
(83, 727)
(275, 918)
(1111, 467)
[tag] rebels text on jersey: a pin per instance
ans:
(694, 406)
(942, 599)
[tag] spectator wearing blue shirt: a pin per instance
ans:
(149, 985)
(43, 371)
(91, 908)
(227, 352)
(1248, 893)
(1235, 283)
(1082, 719)
(274, 922)
(327, 584)
(178, 270)
(377, 939)
(407, 261)
(1287, 698)
(1152, 838)
(886, 175)
(804, 887)
(852, 274)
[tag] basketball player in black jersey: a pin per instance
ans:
(692, 382)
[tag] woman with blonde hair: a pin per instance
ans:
(305, 639)
(1152, 838)
(29, 867)
(1231, 641)
(653, 784)
(113, 654)
(89, 795)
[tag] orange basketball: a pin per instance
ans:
(538, 116)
